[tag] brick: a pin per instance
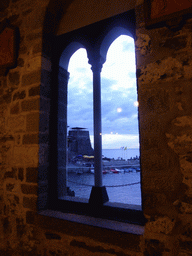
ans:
(29, 189)
(30, 139)
(32, 122)
(19, 95)
(31, 78)
(34, 91)
(30, 202)
(15, 109)
(28, 105)
(32, 174)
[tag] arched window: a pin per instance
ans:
(96, 39)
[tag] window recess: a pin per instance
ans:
(96, 39)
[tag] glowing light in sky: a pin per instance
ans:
(119, 110)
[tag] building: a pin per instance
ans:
(79, 143)
(27, 177)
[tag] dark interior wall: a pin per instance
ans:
(164, 91)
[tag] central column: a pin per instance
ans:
(98, 194)
(97, 123)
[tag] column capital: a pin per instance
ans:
(96, 61)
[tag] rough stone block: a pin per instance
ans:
(19, 95)
(29, 105)
(33, 64)
(31, 78)
(15, 109)
(16, 124)
(11, 174)
(37, 48)
(32, 122)
(29, 189)
(34, 91)
(32, 174)
(30, 217)
(30, 139)
(162, 225)
(30, 202)
(26, 155)
(14, 78)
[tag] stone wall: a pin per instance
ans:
(164, 88)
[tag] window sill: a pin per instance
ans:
(96, 222)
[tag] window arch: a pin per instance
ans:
(97, 38)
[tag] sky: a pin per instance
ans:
(118, 95)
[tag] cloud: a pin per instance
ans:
(118, 90)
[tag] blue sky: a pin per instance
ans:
(118, 95)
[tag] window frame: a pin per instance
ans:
(87, 37)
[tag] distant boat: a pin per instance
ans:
(104, 171)
(114, 171)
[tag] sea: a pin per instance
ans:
(123, 153)
(123, 187)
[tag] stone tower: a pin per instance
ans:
(79, 142)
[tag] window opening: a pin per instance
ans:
(120, 139)
(80, 153)
(120, 136)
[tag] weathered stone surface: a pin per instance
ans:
(14, 78)
(15, 109)
(25, 155)
(34, 36)
(30, 139)
(16, 124)
(11, 174)
(30, 202)
(33, 63)
(20, 174)
(30, 217)
(4, 4)
(20, 62)
(34, 91)
(29, 105)
(35, 19)
(37, 47)
(142, 44)
(32, 122)
(175, 43)
(162, 225)
(19, 95)
(29, 189)
(153, 247)
(168, 69)
(52, 236)
(31, 78)
(32, 174)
